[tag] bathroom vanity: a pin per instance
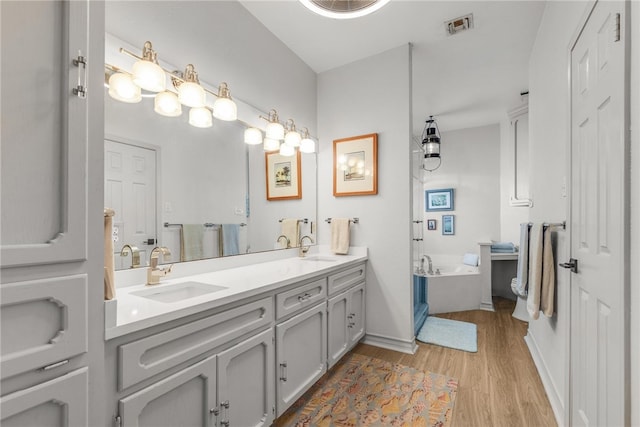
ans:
(236, 346)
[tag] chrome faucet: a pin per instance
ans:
(430, 270)
(420, 270)
(135, 254)
(286, 238)
(154, 273)
(302, 250)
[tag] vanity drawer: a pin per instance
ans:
(144, 358)
(290, 301)
(345, 279)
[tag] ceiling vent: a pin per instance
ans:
(459, 25)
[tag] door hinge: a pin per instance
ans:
(81, 87)
(117, 421)
(616, 31)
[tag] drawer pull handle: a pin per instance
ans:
(304, 297)
(55, 365)
(283, 376)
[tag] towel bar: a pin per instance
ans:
(351, 220)
(303, 220)
(206, 224)
(562, 224)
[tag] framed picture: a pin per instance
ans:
(355, 165)
(283, 176)
(431, 224)
(439, 200)
(448, 225)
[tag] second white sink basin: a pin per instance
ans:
(319, 258)
(178, 291)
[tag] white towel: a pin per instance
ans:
(535, 271)
(519, 287)
(291, 229)
(191, 246)
(470, 259)
(548, 276)
(109, 274)
(340, 236)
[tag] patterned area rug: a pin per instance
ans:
(362, 391)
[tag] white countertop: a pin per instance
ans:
(130, 313)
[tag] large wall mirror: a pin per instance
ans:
(202, 193)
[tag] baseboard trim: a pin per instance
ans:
(552, 394)
(409, 347)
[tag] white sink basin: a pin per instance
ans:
(319, 258)
(178, 291)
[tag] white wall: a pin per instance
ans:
(350, 104)
(549, 139)
(635, 214)
(471, 166)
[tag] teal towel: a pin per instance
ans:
(230, 239)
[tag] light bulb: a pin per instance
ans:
(122, 88)
(307, 145)
(191, 94)
(275, 130)
(149, 76)
(166, 104)
(252, 136)
(287, 150)
(271, 144)
(200, 117)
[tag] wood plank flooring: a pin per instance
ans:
(499, 385)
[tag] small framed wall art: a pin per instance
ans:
(283, 176)
(431, 224)
(439, 200)
(355, 165)
(448, 225)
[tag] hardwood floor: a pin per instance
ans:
(497, 386)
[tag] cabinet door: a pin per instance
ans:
(44, 132)
(338, 310)
(59, 402)
(186, 398)
(246, 382)
(301, 354)
(355, 318)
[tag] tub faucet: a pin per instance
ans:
(285, 238)
(430, 270)
(135, 254)
(154, 273)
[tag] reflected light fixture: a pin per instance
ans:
(343, 9)
(292, 138)
(431, 145)
(166, 104)
(190, 93)
(122, 88)
(271, 144)
(307, 145)
(287, 150)
(200, 117)
(253, 136)
(274, 129)
(224, 108)
(147, 73)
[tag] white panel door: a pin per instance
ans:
(43, 132)
(598, 220)
(246, 382)
(130, 189)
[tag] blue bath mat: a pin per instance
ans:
(449, 333)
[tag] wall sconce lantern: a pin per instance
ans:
(431, 145)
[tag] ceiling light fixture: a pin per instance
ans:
(343, 9)
(190, 93)
(147, 73)
(431, 145)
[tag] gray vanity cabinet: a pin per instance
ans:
(245, 383)
(186, 398)
(301, 354)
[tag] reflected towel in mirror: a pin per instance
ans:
(191, 236)
(230, 239)
(291, 229)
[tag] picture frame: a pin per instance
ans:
(355, 165)
(431, 224)
(438, 200)
(448, 225)
(283, 176)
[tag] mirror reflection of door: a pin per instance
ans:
(130, 189)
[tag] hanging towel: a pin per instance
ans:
(230, 239)
(535, 271)
(109, 273)
(340, 236)
(520, 287)
(191, 242)
(291, 229)
(547, 293)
